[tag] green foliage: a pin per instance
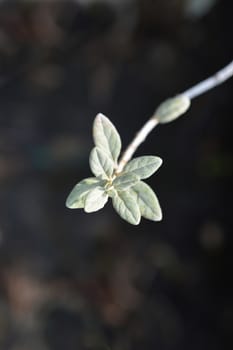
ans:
(147, 201)
(172, 109)
(144, 166)
(131, 197)
(126, 206)
(77, 196)
(124, 181)
(100, 163)
(95, 199)
(106, 137)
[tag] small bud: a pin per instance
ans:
(172, 109)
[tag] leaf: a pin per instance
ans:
(172, 109)
(144, 166)
(76, 197)
(100, 164)
(95, 200)
(106, 137)
(126, 207)
(147, 201)
(125, 181)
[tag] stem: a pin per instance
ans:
(197, 90)
(139, 138)
(208, 84)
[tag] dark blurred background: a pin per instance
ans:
(70, 280)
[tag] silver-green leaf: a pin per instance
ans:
(147, 201)
(125, 181)
(106, 137)
(172, 109)
(126, 206)
(144, 166)
(77, 196)
(100, 163)
(95, 200)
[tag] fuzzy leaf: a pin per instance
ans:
(101, 165)
(77, 196)
(106, 137)
(125, 181)
(95, 200)
(147, 201)
(126, 206)
(144, 166)
(172, 109)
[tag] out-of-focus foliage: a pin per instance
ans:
(199, 8)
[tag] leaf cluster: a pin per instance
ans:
(131, 197)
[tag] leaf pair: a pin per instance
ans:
(139, 200)
(131, 197)
(85, 193)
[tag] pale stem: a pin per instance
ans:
(197, 90)
(139, 138)
(208, 84)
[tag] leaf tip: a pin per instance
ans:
(160, 161)
(138, 221)
(100, 117)
(69, 205)
(158, 216)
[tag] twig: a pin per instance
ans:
(139, 138)
(197, 90)
(208, 84)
